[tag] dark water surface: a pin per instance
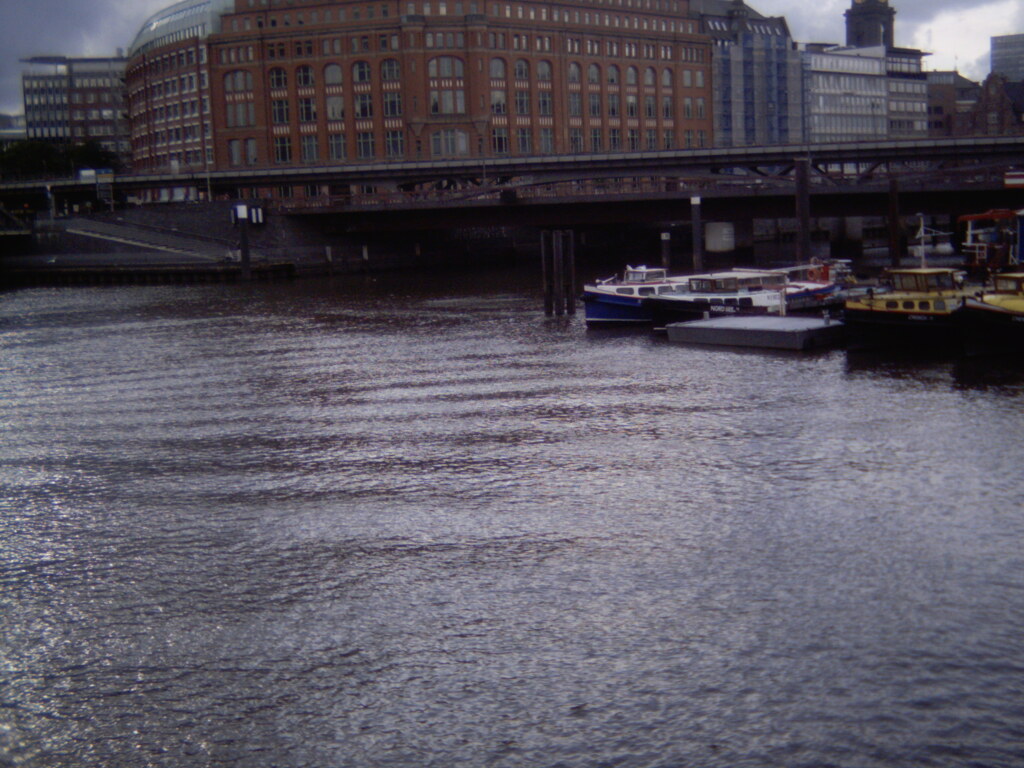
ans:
(380, 524)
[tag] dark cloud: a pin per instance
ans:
(99, 27)
(63, 28)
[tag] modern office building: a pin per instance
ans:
(757, 75)
(224, 84)
(1007, 57)
(77, 100)
(846, 93)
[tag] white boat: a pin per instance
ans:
(620, 300)
(731, 292)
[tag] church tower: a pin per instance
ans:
(870, 23)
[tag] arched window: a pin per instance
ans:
(522, 71)
(574, 72)
(498, 69)
(390, 71)
(650, 77)
(594, 74)
(666, 78)
(631, 76)
(332, 74)
(278, 78)
(544, 70)
(613, 75)
(361, 72)
(446, 66)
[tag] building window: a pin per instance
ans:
(498, 103)
(545, 106)
(613, 75)
(332, 74)
(251, 153)
(595, 104)
(390, 71)
(594, 74)
(394, 143)
(446, 66)
(361, 72)
(575, 105)
(304, 76)
(278, 78)
(614, 106)
(497, 69)
(522, 70)
(282, 149)
(336, 146)
(279, 111)
(632, 106)
(547, 141)
(544, 71)
(235, 152)
(448, 102)
(523, 141)
(575, 140)
(522, 102)
(365, 145)
(595, 139)
(364, 105)
(499, 141)
(310, 151)
(392, 104)
(307, 111)
(449, 143)
(335, 108)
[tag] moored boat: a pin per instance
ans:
(732, 292)
(993, 322)
(621, 300)
(918, 311)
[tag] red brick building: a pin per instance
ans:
(273, 83)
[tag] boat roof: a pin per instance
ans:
(993, 215)
(921, 270)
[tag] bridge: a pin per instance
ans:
(850, 162)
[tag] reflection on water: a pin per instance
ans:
(388, 523)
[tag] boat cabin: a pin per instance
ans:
(924, 280)
(1010, 283)
(993, 239)
(736, 282)
(645, 275)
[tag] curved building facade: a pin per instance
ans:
(292, 82)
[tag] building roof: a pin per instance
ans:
(719, 17)
(185, 19)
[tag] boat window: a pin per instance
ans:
(666, 289)
(731, 302)
(717, 302)
(892, 305)
(746, 302)
(924, 305)
(647, 291)
(908, 305)
(941, 281)
(940, 305)
(624, 291)
(1010, 286)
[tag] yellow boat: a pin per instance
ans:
(917, 311)
(994, 322)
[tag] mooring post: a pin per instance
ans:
(243, 241)
(558, 262)
(545, 272)
(666, 250)
(570, 271)
(895, 233)
(698, 239)
(803, 210)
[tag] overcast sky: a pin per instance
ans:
(957, 32)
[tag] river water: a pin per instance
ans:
(405, 522)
